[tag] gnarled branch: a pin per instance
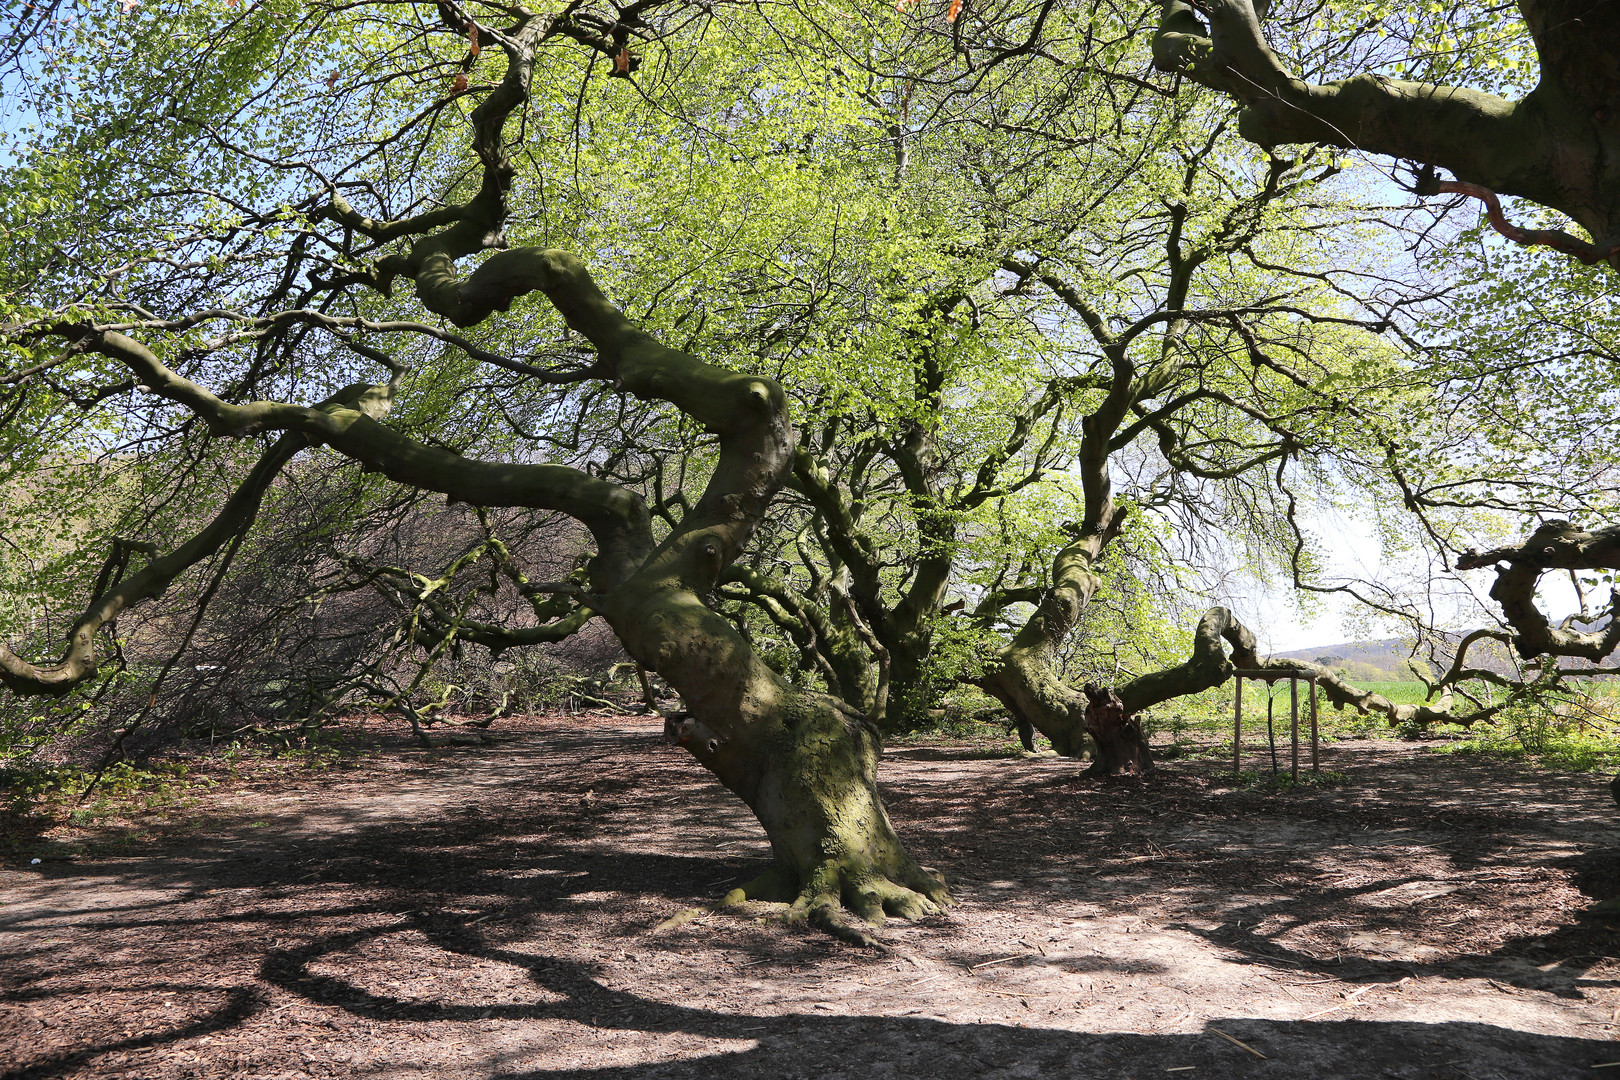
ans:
(78, 663)
(1555, 545)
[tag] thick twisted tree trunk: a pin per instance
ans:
(1121, 748)
(805, 763)
(1022, 675)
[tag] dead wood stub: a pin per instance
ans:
(1121, 748)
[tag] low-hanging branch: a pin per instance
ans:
(431, 618)
(78, 664)
(349, 423)
(1210, 665)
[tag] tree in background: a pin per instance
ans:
(1510, 108)
(1084, 300)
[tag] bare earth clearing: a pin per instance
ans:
(490, 911)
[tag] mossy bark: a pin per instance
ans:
(804, 762)
(1559, 145)
(1023, 679)
(1023, 675)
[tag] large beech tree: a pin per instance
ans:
(894, 506)
(259, 253)
(366, 231)
(309, 243)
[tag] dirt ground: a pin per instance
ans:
(492, 911)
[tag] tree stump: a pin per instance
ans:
(1121, 748)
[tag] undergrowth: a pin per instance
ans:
(1585, 741)
(123, 785)
(84, 794)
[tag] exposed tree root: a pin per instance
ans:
(774, 886)
(834, 891)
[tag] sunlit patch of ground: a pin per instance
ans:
(489, 911)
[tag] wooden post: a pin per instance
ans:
(1237, 725)
(1315, 766)
(1293, 722)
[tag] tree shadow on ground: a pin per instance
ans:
(805, 1045)
(445, 906)
(952, 753)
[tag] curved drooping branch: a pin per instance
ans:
(1210, 665)
(1460, 671)
(78, 663)
(1343, 694)
(1226, 50)
(1551, 147)
(440, 236)
(1555, 545)
(348, 423)
(431, 617)
(1206, 668)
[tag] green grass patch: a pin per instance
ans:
(1576, 728)
(1402, 693)
(1576, 744)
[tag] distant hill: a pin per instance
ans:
(1383, 660)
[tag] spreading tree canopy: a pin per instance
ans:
(861, 353)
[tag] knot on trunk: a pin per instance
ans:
(684, 729)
